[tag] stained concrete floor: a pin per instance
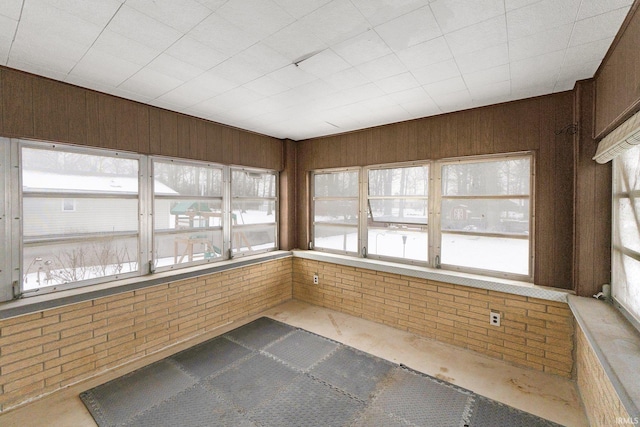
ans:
(545, 395)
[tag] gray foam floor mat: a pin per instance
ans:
(267, 373)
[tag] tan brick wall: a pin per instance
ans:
(601, 402)
(534, 333)
(47, 350)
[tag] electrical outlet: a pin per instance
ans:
(494, 318)
(315, 279)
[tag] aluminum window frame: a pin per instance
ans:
(152, 205)
(20, 242)
(313, 199)
(239, 227)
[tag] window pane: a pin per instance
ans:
(412, 211)
(253, 211)
(336, 211)
(43, 216)
(487, 253)
(625, 287)
(252, 184)
(172, 214)
(336, 184)
(487, 178)
(628, 224)
(341, 238)
(253, 238)
(55, 264)
(186, 180)
(406, 181)
(628, 167)
(505, 216)
(399, 243)
(170, 249)
(67, 172)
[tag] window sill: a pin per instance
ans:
(36, 303)
(464, 279)
(616, 343)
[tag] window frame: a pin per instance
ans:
(617, 247)
(434, 219)
(367, 223)
(19, 241)
(313, 200)
(229, 210)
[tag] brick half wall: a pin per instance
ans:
(534, 333)
(48, 350)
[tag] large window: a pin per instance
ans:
(485, 211)
(254, 208)
(626, 232)
(335, 211)
(474, 215)
(397, 202)
(85, 215)
(98, 237)
(187, 212)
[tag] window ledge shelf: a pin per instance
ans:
(616, 343)
(33, 304)
(464, 279)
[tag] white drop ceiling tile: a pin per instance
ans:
(410, 29)
(456, 14)
(530, 91)
(347, 79)
(537, 83)
(182, 15)
(489, 76)
(187, 95)
(424, 54)
(541, 16)
(380, 11)
(382, 68)
(444, 87)
(292, 76)
(537, 44)
(130, 95)
(336, 21)
(587, 52)
(416, 94)
(483, 59)
(37, 69)
(266, 86)
(324, 63)
(236, 70)
(257, 108)
(544, 66)
(262, 17)
(164, 104)
(236, 98)
(298, 9)
(119, 46)
(150, 83)
(455, 101)
(363, 93)
(295, 42)
(314, 90)
(578, 71)
(437, 72)
(363, 48)
(491, 32)
(104, 69)
(11, 8)
(7, 30)
(98, 12)
(212, 4)
(262, 58)
(195, 53)
(590, 8)
(598, 27)
(398, 83)
(89, 84)
(517, 4)
(564, 85)
(174, 67)
(222, 35)
(46, 21)
(48, 53)
(490, 92)
(139, 27)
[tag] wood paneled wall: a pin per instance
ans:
(39, 108)
(592, 223)
(529, 124)
(618, 78)
(288, 196)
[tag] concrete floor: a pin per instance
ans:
(545, 395)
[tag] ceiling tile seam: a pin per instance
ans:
(15, 33)
(455, 61)
(506, 28)
(466, 26)
(566, 49)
